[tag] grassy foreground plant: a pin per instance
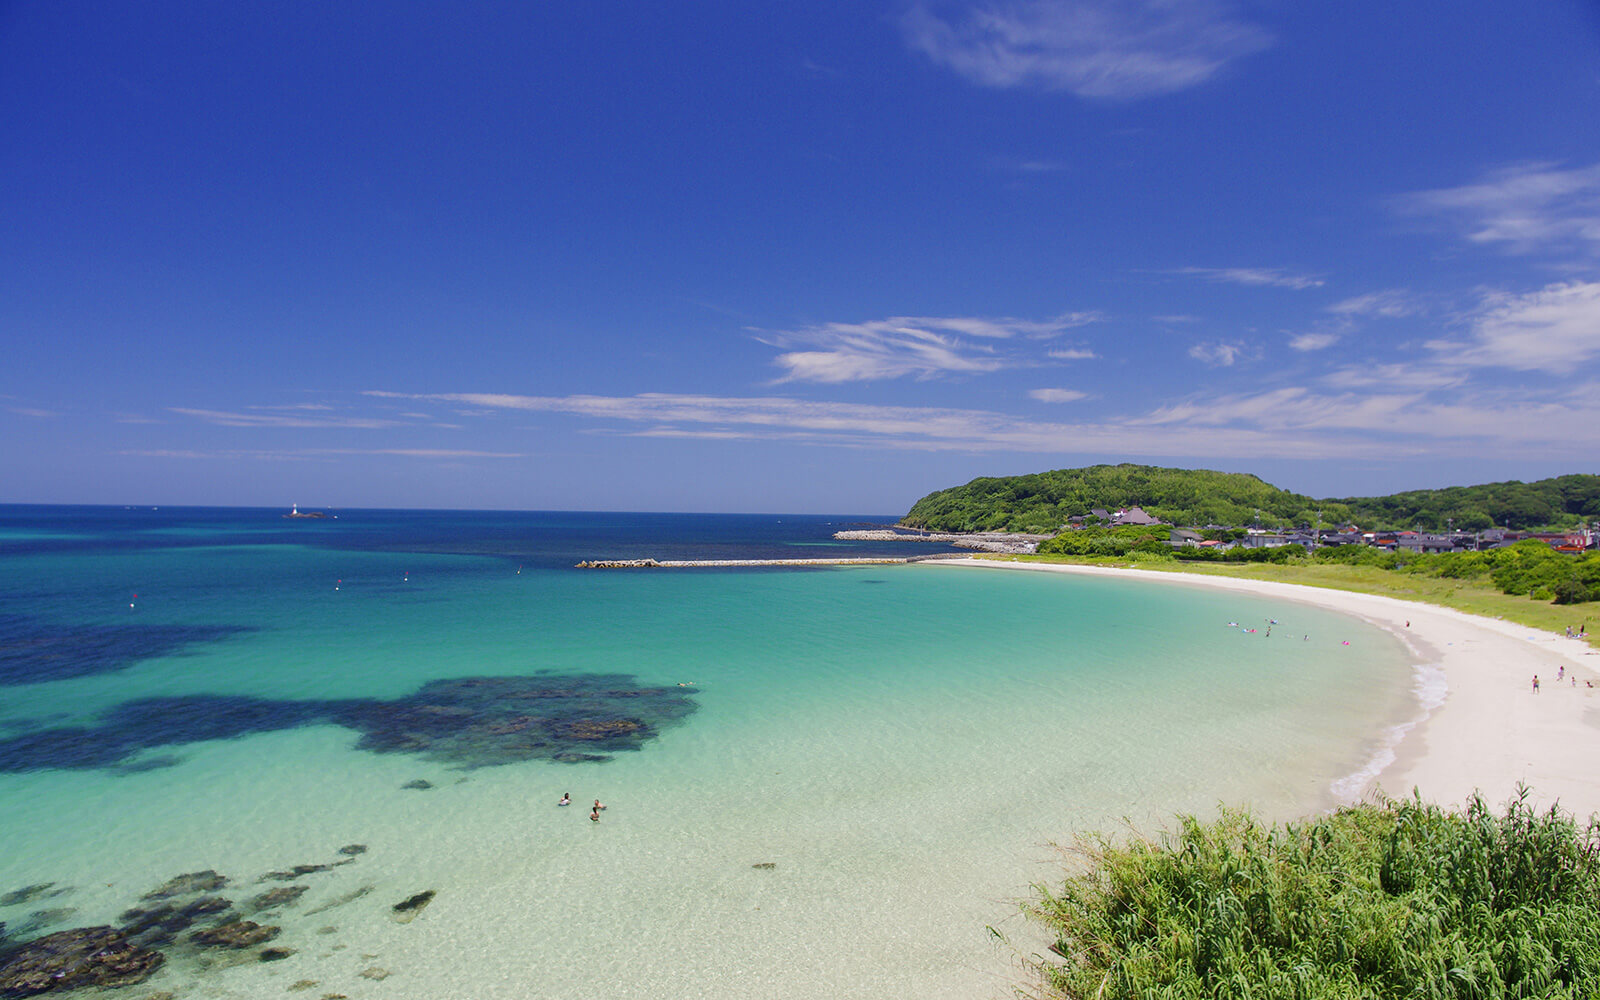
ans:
(1400, 899)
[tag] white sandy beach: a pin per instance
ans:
(1479, 725)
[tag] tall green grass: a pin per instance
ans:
(1394, 900)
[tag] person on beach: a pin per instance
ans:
(1561, 672)
(566, 799)
(1535, 683)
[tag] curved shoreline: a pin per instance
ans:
(1485, 730)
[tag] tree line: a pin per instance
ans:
(1043, 502)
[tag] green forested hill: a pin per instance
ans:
(1042, 502)
(1562, 501)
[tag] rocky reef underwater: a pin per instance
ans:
(465, 722)
(186, 923)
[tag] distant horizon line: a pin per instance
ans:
(443, 510)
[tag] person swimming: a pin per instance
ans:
(566, 799)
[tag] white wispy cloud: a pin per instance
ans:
(1118, 49)
(30, 411)
(1072, 353)
(1555, 329)
(1526, 207)
(922, 347)
(1313, 341)
(1409, 375)
(870, 426)
(1217, 353)
(1400, 422)
(1260, 277)
(1057, 395)
(1287, 422)
(224, 418)
(302, 453)
(1391, 303)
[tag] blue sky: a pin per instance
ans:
(792, 256)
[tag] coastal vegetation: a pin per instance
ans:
(1395, 899)
(1043, 502)
(1561, 502)
(1529, 568)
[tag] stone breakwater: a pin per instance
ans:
(984, 541)
(683, 563)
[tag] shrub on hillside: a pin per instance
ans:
(1401, 899)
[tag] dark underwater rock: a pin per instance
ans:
(278, 897)
(235, 934)
(348, 897)
(589, 730)
(184, 885)
(351, 850)
(293, 873)
(407, 909)
(275, 954)
(29, 893)
(765, 865)
(417, 785)
(149, 926)
(83, 956)
(33, 651)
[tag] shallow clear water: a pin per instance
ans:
(900, 743)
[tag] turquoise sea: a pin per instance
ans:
(819, 782)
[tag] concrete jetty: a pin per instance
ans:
(691, 563)
(984, 541)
